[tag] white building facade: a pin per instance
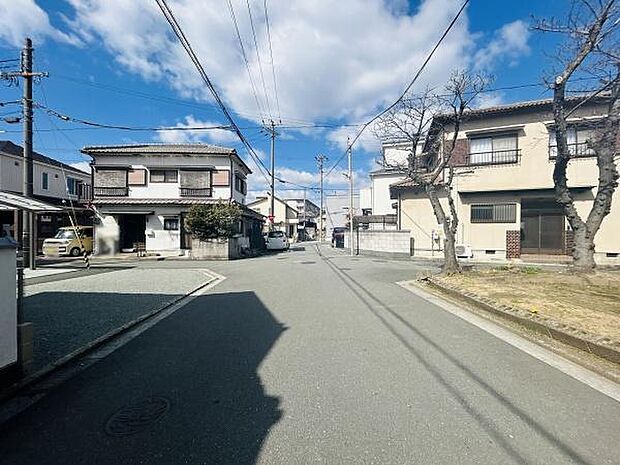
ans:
(142, 193)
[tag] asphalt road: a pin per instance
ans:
(301, 358)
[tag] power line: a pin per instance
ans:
(245, 57)
(9, 60)
(409, 86)
(260, 65)
(128, 128)
(273, 66)
(192, 55)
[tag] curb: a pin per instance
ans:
(13, 389)
(600, 346)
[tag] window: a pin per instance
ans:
(171, 224)
(136, 177)
(494, 213)
(577, 139)
(240, 185)
(493, 150)
(45, 182)
(164, 176)
(72, 186)
(221, 178)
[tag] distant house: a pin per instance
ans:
(376, 199)
(308, 217)
(337, 210)
(142, 193)
(503, 185)
(285, 216)
(54, 183)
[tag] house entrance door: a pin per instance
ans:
(542, 227)
(132, 231)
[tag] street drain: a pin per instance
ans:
(137, 417)
(307, 263)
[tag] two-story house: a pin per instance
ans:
(284, 216)
(143, 192)
(54, 183)
(503, 185)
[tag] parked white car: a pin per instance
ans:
(276, 240)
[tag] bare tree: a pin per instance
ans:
(591, 49)
(433, 119)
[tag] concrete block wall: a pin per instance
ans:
(389, 242)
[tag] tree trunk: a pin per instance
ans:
(583, 253)
(450, 263)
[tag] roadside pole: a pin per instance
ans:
(320, 160)
(350, 156)
(272, 132)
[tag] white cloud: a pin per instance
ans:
(82, 166)
(184, 136)
(509, 42)
(489, 99)
(367, 141)
(24, 18)
(327, 64)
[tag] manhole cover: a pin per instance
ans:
(137, 417)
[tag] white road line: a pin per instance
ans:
(588, 377)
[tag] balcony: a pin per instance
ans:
(576, 150)
(496, 157)
(110, 191)
(194, 192)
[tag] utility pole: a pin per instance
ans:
(305, 206)
(272, 132)
(350, 175)
(28, 242)
(321, 160)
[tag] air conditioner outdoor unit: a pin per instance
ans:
(464, 251)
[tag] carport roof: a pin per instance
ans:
(10, 201)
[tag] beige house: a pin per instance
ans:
(285, 217)
(503, 187)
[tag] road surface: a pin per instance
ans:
(308, 358)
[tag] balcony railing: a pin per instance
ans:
(194, 192)
(110, 191)
(576, 150)
(497, 157)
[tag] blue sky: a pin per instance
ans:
(335, 62)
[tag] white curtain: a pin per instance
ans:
(480, 150)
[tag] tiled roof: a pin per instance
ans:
(129, 201)
(165, 149)
(136, 201)
(139, 149)
(6, 146)
(530, 104)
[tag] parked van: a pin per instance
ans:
(66, 242)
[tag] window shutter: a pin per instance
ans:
(110, 178)
(136, 177)
(221, 178)
(196, 179)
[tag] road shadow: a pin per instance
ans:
(203, 360)
(66, 321)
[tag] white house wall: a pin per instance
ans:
(171, 190)
(157, 238)
(11, 175)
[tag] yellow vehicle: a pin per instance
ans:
(66, 242)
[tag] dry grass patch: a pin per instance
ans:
(589, 303)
